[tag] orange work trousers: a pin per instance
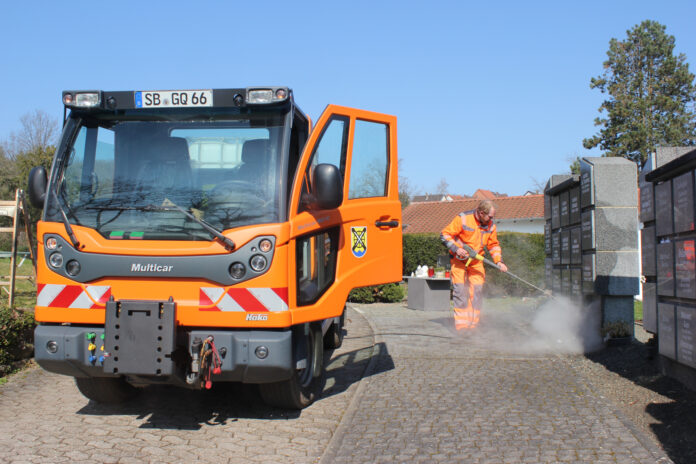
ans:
(467, 295)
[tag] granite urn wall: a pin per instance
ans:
(668, 238)
(591, 238)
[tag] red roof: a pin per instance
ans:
(482, 194)
(432, 217)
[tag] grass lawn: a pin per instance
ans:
(25, 290)
(637, 310)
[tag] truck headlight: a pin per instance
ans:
(56, 260)
(260, 96)
(73, 267)
(258, 263)
(237, 270)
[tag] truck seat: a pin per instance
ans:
(254, 166)
(167, 169)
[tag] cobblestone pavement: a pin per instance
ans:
(44, 419)
(500, 394)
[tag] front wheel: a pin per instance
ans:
(300, 390)
(109, 390)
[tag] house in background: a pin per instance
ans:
(514, 214)
(437, 197)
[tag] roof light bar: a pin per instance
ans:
(267, 95)
(82, 99)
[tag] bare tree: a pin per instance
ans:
(406, 189)
(539, 186)
(38, 132)
(442, 187)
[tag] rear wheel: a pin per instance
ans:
(333, 338)
(300, 390)
(106, 389)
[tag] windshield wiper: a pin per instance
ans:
(229, 244)
(66, 223)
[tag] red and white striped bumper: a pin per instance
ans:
(72, 296)
(244, 299)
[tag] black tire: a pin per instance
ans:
(108, 390)
(300, 390)
(333, 338)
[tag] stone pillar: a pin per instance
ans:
(609, 200)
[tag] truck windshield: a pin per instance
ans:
(125, 178)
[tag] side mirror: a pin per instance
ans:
(328, 186)
(37, 186)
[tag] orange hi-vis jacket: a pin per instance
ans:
(465, 229)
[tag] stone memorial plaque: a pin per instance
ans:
(556, 281)
(576, 282)
(647, 247)
(665, 269)
(685, 268)
(575, 246)
(547, 237)
(547, 206)
(565, 208)
(555, 212)
(588, 230)
(565, 281)
(556, 247)
(686, 335)
(647, 204)
(586, 190)
(574, 195)
(565, 247)
(683, 193)
(548, 272)
(667, 330)
(649, 307)
(663, 209)
(588, 273)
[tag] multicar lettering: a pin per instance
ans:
(138, 267)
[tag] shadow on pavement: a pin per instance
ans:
(349, 368)
(675, 421)
(168, 407)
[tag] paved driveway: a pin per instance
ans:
(43, 418)
(427, 394)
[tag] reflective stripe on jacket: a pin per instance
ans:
(465, 229)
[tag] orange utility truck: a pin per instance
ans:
(199, 236)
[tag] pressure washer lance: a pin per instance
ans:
(474, 255)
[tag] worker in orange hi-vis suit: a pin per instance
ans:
(476, 230)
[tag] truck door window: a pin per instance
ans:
(316, 265)
(369, 161)
(331, 149)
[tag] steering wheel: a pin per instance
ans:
(232, 198)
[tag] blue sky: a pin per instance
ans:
(489, 96)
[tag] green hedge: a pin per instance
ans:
(524, 256)
(421, 249)
(16, 337)
(389, 293)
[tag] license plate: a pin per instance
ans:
(173, 98)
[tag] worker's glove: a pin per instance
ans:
(501, 265)
(462, 253)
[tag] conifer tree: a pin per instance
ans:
(651, 95)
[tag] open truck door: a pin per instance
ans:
(354, 240)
